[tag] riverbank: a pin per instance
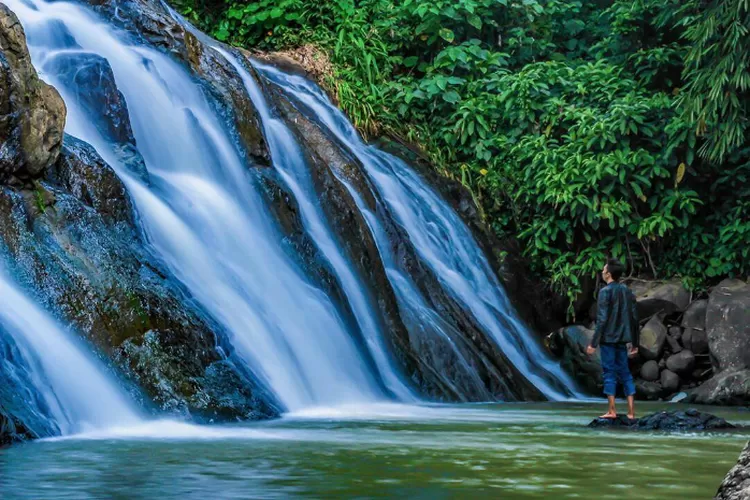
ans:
(509, 450)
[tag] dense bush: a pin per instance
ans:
(582, 128)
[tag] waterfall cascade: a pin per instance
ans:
(201, 209)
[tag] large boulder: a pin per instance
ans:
(728, 325)
(569, 345)
(664, 298)
(728, 388)
(652, 339)
(650, 391)
(736, 484)
(32, 113)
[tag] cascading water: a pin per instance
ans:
(442, 240)
(202, 214)
(288, 159)
(76, 393)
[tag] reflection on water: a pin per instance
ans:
(501, 451)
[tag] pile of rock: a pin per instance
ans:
(701, 347)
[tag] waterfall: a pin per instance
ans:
(75, 391)
(440, 237)
(203, 214)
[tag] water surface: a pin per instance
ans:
(501, 451)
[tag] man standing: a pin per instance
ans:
(616, 334)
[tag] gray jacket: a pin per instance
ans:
(617, 317)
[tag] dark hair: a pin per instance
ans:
(615, 268)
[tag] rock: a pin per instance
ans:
(696, 341)
(662, 363)
(728, 325)
(728, 388)
(681, 363)
(736, 484)
(97, 93)
(569, 345)
(660, 298)
(650, 391)
(32, 113)
(670, 382)
(673, 336)
(653, 337)
(688, 420)
(650, 371)
(695, 315)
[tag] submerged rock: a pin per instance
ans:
(688, 420)
(32, 113)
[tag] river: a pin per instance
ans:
(539, 450)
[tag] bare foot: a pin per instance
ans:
(609, 414)
(631, 416)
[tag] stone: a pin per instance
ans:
(672, 340)
(670, 382)
(652, 339)
(32, 113)
(695, 315)
(681, 363)
(728, 388)
(660, 297)
(695, 340)
(650, 371)
(688, 420)
(662, 363)
(569, 345)
(728, 325)
(650, 391)
(736, 484)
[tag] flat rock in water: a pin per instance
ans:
(688, 420)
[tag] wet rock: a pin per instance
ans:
(728, 388)
(670, 382)
(569, 345)
(695, 315)
(728, 325)
(688, 420)
(681, 363)
(652, 339)
(98, 95)
(660, 298)
(32, 113)
(736, 484)
(650, 371)
(11, 429)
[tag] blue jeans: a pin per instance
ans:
(615, 367)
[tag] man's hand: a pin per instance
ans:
(590, 350)
(632, 351)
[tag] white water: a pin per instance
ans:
(204, 217)
(78, 394)
(440, 237)
(289, 161)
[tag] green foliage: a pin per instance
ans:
(584, 129)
